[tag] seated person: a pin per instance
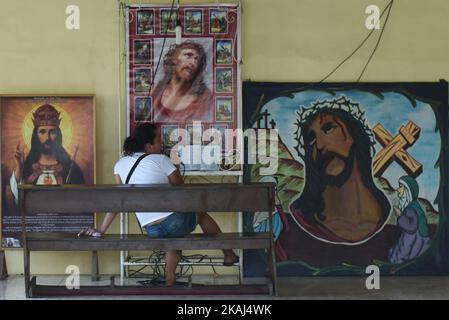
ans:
(156, 168)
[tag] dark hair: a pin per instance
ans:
(144, 133)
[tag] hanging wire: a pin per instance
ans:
(230, 20)
(122, 60)
(311, 85)
(390, 5)
(359, 46)
(131, 20)
(162, 49)
(157, 270)
(150, 89)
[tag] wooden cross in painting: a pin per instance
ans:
(395, 149)
(263, 116)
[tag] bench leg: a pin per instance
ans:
(3, 269)
(240, 266)
(272, 264)
(95, 276)
(26, 262)
(271, 256)
(32, 286)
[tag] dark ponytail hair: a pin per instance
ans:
(144, 133)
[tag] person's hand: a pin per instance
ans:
(91, 232)
(19, 160)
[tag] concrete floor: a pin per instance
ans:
(401, 288)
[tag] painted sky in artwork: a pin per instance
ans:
(392, 112)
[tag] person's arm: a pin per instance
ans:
(175, 178)
(110, 215)
(18, 160)
(16, 175)
(106, 221)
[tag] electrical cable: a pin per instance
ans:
(390, 5)
(360, 45)
(158, 273)
(161, 52)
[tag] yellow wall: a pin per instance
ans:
(282, 40)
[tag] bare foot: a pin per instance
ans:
(170, 280)
(230, 258)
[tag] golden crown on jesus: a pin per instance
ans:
(46, 115)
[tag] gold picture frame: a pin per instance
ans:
(45, 139)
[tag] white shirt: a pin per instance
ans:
(153, 169)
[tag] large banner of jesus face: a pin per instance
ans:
(359, 180)
(44, 140)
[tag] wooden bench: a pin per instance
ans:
(131, 198)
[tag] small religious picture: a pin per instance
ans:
(193, 21)
(145, 22)
(142, 52)
(169, 136)
(142, 109)
(142, 80)
(168, 21)
(218, 21)
(223, 51)
(221, 130)
(223, 80)
(223, 109)
(194, 134)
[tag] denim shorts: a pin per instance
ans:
(178, 224)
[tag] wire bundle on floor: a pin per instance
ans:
(157, 271)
